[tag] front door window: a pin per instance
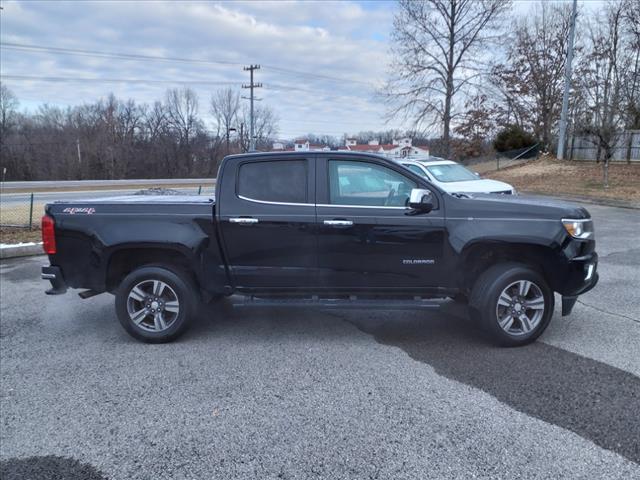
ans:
(367, 184)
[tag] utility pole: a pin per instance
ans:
(567, 84)
(79, 159)
(79, 154)
(252, 86)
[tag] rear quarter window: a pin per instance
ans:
(274, 181)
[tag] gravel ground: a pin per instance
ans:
(308, 394)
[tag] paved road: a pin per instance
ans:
(307, 394)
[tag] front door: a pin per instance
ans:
(367, 240)
(267, 217)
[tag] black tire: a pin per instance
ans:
(507, 278)
(180, 286)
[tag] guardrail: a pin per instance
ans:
(51, 185)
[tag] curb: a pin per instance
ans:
(21, 250)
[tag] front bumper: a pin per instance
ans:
(54, 275)
(583, 276)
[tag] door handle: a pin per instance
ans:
(338, 223)
(243, 220)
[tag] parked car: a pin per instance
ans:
(324, 229)
(455, 178)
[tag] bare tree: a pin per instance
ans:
(182, 116)
(437, 55)
(182, 112)
(475, 126)
(631, 84)
(265, 126)
(225, 108)
(156, 120)
(531, 80)
(601, 81)
(8, 110)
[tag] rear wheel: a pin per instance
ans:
(513, 303)
(155, 304)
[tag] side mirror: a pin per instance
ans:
(421, 200)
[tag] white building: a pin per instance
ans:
(400, 149)
(303, 145)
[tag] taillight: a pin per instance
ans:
(48, 235)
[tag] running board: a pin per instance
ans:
(337, 303)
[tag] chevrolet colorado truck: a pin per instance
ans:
(324, 229)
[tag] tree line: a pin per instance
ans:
(114, 138)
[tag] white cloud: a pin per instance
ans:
(335, 39)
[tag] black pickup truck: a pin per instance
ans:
(326, 229)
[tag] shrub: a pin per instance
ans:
(513, 137)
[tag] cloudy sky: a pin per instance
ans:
(321, 61)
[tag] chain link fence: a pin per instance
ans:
(501, 160)
(22, 210)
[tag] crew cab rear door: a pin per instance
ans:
(266, 212)
(367, 238)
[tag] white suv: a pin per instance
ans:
(454, 178)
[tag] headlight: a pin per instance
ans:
(581, 228)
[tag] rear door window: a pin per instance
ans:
(283, 181)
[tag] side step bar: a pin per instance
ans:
(337, 303)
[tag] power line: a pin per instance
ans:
(96, 53)
(113, 80)
(270, 86)
(131, 56)
(315, 75)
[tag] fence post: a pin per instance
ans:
(31, 212)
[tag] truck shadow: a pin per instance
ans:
(48, 467)
(592, 399)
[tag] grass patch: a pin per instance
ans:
(19, 235)
(573, 178)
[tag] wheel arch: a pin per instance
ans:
(480, 256)
(127, 258)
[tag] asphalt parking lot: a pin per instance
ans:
(310, 394)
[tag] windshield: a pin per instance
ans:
(451, 172)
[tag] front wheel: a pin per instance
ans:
(155, 304)
(513, 303)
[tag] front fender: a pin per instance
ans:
(464, 233)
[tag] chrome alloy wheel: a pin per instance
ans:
(520, 308)
(153, 305)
